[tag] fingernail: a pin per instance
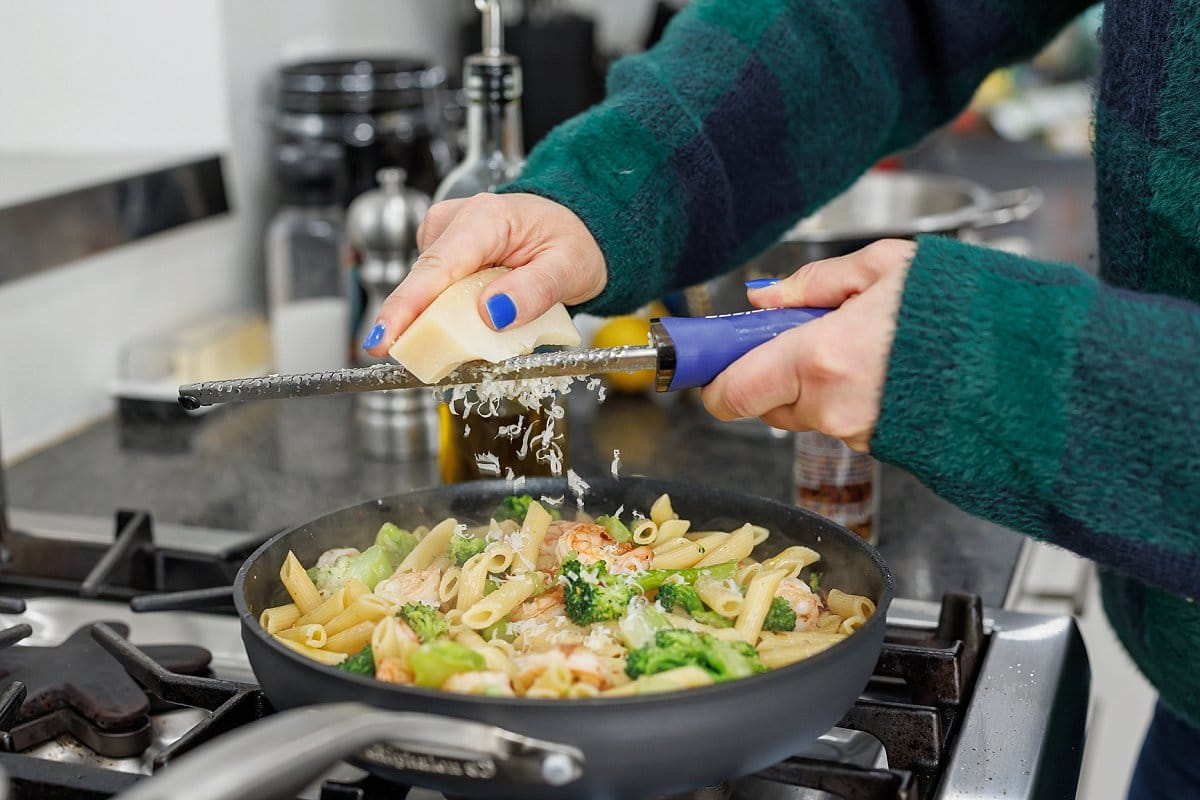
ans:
(374, 337)
(761, 283)
(502, 310)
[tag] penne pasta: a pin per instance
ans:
(680, 557)
(792, 559)
(303, 593)
(722, 597)
(352, 639)
(494, 607)
(673, 529)
(533, 533)
(369, 608)
(644, 532)
(320, 656)
(735, 547)
(758, 600)
(671, 680)
(448, 588)
(661, 511)
(307, 635)
(392, 639)
(430, 547)
(332, 606)
(279, 618)
(471, 581)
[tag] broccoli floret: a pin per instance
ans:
(686, 597)
(615, 528)
(463, 546)
(497, 630)
(780, 616)
(515, 508)
(395, 542)
(814, 581)
(655, 578)
(673, 648)
(425, 621)
(433, 663)
(361, 663)
(591, 594)
(370, 566)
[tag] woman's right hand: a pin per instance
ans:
(552, 253)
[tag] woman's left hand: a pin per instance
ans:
(826, 375)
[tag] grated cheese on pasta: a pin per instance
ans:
(616, 463)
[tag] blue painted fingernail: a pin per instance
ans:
(374, 337)
(761, 283)
(502, 310)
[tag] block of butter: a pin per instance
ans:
(450, 332)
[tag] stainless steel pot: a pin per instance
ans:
(880, 205)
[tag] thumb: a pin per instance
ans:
(833, 281)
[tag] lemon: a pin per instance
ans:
(619, 332)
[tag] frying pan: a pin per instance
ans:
(488, 747)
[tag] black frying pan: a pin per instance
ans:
(597, 748)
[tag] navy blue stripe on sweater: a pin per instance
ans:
(920, 46)
(1134, 41)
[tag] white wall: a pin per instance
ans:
(142, 77)
(115, 75)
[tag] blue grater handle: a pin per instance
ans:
(704, 346)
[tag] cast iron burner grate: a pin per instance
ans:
(131, 566)
(76, 688)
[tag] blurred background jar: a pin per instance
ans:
(837, 482)
(308, 278)
(384, 110)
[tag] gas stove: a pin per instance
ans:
(965, 702)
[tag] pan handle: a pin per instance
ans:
(278, 756)
(1013, 205)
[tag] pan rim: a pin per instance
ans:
(780, 675)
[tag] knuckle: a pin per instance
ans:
(428, 262)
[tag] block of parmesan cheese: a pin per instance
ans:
(450, 332)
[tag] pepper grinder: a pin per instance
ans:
(382, 226)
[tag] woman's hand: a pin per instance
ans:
(554, 256)
(826, 375)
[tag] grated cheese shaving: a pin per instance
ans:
(578, 487)
(616, 463)
(488, 462)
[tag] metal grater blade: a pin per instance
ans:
(554, 364)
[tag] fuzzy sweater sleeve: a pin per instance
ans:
(1034, 395)
(750, 114)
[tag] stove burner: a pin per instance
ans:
(77, 688)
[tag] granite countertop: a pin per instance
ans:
(265, 466)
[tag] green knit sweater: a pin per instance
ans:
(1025, 392)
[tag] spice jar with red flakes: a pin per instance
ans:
(837, 482)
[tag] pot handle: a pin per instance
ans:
(279, 756)
(1013, 205)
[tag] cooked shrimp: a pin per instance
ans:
(585, 666)
(420, 586)
(528, 668)
(592, 543)
(329, 556)
(635, 560)
(803, 601)
(485, 682)
(544, 603)
(393, 670)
